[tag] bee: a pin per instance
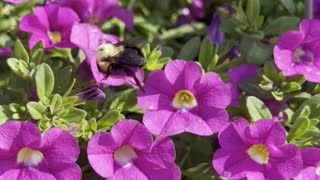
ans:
(120, 57)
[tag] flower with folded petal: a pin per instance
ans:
(311, 164)
(181, 98)
(5, 52)
(258, 151)
(88, 38)
(24, 154)
(51, 24)
(99, 11)
(129, 153)
(297, 52)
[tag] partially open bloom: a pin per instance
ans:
(50, 25)
(5, 52)
(88, 38)
(194, 12)
(311, 164)
(258, 151)
(99, 11)
(214, 34)
(24, 154)
(297, 52)
(181, 98)
(238, 74)
(129, 153)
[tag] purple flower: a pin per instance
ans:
(311, 162)
(15, 1)
(233, 53)
(5, 52)
(181, 98)
(129, 153)
(51, 24)
(99, 11)
(297, 52)
(215, 35)
(316, 9)
(91, 93)
(88, 38)
(194, 12)
(25, 154)
(256, 152)
(238, 74)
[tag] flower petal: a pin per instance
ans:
(132, 133)
(129, 173)
(100, 153)
(182, 74)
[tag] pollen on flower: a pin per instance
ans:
(54, 36)
(184, 100)
(29, 157)
(124, 155)
(259, 153)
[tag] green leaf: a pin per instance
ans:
(202, 171)
(290, 5)
(75, 115)
(20, 52)
(19, 67)
(44, 81)
(253, 11)
(109, 119)
(62, 79)
(253, 51)
(205, 53)
(56, 103)
(314, 109)
(36, 110)
(270, 71)
(257, 109)
(281, 25)
(190, 49)
(299, 128)
(126, 101)
(291, 87)
(5, 114)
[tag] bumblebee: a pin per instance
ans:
(120, 57)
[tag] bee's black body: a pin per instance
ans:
(129, 56)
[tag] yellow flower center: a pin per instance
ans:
(259, 153)
(184, 100)
(124, 155)
(55, 36)
(29, 157)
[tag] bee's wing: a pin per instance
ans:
(132, 43)
(131, 57)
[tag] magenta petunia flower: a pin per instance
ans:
(297, 52)
(129, 153)
(181, 98)
(238, 74)
(24, 154)
(15, 1)
(311, 164)
(88, 38)
(99, 11)
(50, 25)
(258, 151)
